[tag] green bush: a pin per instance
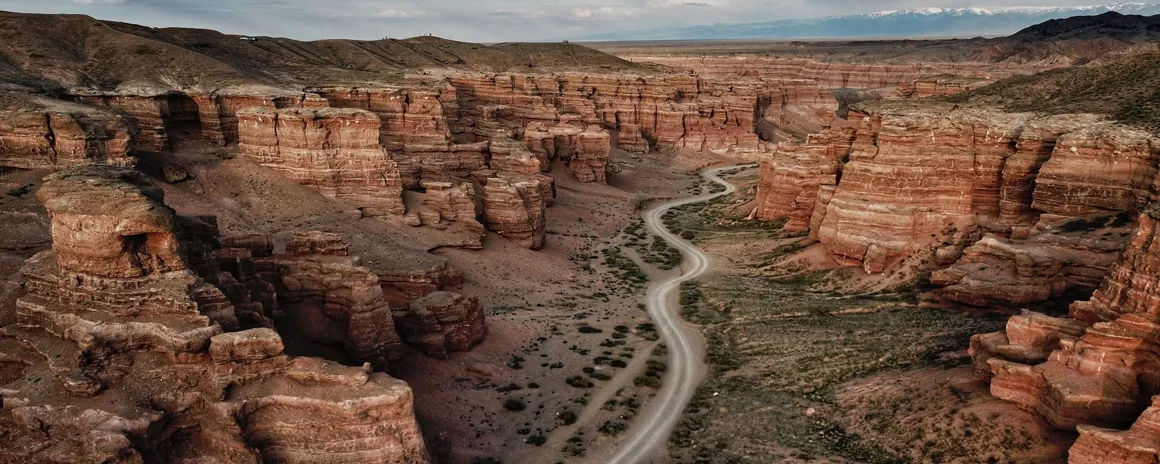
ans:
(513, 404)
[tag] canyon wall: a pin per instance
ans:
(334, 151)
(52, 139)
(117, 315)
(1022, 209)
(1095, 370)
(832, 75)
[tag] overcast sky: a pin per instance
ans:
(468, 20)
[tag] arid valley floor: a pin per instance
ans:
(230, 249)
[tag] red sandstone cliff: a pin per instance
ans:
(934, 178)
(1094, 370)
(334, 151)
(60, 135)
(115, 318)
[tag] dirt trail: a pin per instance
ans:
(686, 349)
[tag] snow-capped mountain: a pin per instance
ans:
(922, 22)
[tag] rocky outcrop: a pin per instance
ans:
(41, 138)
(832, 75)
(442, 322)
(939, 86)
(932, 178)
(329, 298)
(453, 203)
(415, 128)
(1002, 272)
(400, 286)
(148, 113)
(334, 151)
(513, 207)
(1096, 368)
(125, 354)
(667, 112)
(588, 157)
(790, 178)
(914, 175)
(1139, 444)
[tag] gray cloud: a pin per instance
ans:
(497, 20)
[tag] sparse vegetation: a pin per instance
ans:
(512, 404)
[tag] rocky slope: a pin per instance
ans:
(1093, 370)
(123, 352)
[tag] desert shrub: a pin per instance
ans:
(513, 404)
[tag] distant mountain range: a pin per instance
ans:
(946, 22)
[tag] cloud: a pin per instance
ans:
(603, 12)
(391, 13)
(101, 2)
(680, 3)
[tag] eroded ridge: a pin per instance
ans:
(123, 352)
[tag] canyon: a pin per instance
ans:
(355, 215)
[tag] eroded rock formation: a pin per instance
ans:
(57, 138)
(1095, 369)
(841, 74)
(122, 353)
(442, 322)
(934, 179)
(513, 207)
(334, 151)
(791, 177)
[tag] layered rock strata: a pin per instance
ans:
(327, 297)
(790, 178)
(1095, 369)
(41, 138)
(1002, 272)
(513, 207)
(934, 177)
(667, 112)
(121, 356)
(442, 322)
(1140, 444)
(840, 75)
(334, 151)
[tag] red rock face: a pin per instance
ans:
(147, 112)
(133, 325)
(401, 287)
(330, 298)
(513, 207)
(1137, 445)
(911, 175)
(95, 234)
(921, 175)
(1098, 368)
(667, 112)
(1100, 167)
(334, 151)
(791, 177)
(45, 139)
(442, 322)
(455, 203)
(839, 75)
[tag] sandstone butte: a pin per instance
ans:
(150, 308)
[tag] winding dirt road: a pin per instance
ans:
(686, 349)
